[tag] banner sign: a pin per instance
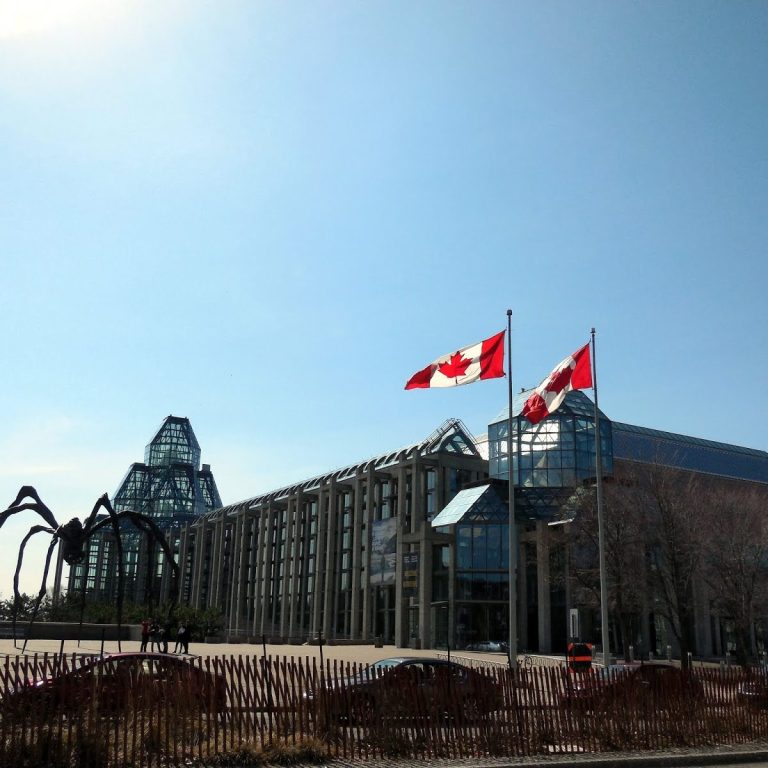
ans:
(410, 574)
(383, 551)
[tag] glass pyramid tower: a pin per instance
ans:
(172, 488)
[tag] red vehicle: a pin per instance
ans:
(407, 687)
(113, 684)
(651, 683)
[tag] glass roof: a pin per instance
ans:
(459, 505)
(576, 403)
(452, 436)
(633, 443)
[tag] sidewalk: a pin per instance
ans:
(742, 755)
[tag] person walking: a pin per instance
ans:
(154, 635)
(163, 639)
(144, 635)
(180, 635)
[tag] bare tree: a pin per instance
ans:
(624, 555)
(672, 508)
(736, 566)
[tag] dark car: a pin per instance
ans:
(754, 690)
(118, 682)
(488, 646)
(406, 687)
(651, 683)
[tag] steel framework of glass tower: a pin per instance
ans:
(172, 488)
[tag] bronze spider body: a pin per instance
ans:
(73, 537)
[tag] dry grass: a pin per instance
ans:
(304, 750)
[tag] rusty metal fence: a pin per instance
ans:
(72, 710)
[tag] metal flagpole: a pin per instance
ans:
(600, 522)
(512, 525)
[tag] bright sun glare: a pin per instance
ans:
(33, 18)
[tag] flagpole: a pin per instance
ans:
(600, 522)
(511, 502)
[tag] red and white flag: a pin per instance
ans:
(575, 372)
(484, 360)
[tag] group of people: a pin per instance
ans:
(155, 636)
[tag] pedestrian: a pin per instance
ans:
(185, 642)
(154, 634)
(180, 638)
(144, 634)
(163, 639)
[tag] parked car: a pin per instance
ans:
(409, 687)
(754, 690)
(653, 683)
(115, 683)
(488, 646)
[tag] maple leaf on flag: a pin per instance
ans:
(455, 367)
(559, 380)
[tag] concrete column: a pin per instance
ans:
(425, 590)
(305, 524)
(370, 516)
(287, 565)
(185, 575)
(357, 555)
(296, 511)
(543, 587)
(258, 582)
(198, 563)
(251, 539)
(425, 555)
(236, 575)
(275, 586)
(266, 599)
(401, 634)
(329, 586)
(217, 560)
(318, 590)
(441, 487)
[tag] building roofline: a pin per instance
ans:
(432, 444)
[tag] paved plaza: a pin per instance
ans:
(353, 653)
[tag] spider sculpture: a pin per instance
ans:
(73, 536)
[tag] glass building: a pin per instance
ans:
(411, 546)
(173, 489)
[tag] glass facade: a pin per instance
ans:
(555, 454)
(172, 489)
(481, 551)
(654, 446)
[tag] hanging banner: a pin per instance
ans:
(410, 574)
(383, 551)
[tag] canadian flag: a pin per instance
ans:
(575, 372)
(484, 360)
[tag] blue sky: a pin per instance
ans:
(265, 216)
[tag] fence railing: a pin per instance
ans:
(171, 711)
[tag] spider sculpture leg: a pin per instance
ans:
(16, 596)
(28, 491)
(145, 524)
(37, 505)
(88, 530)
